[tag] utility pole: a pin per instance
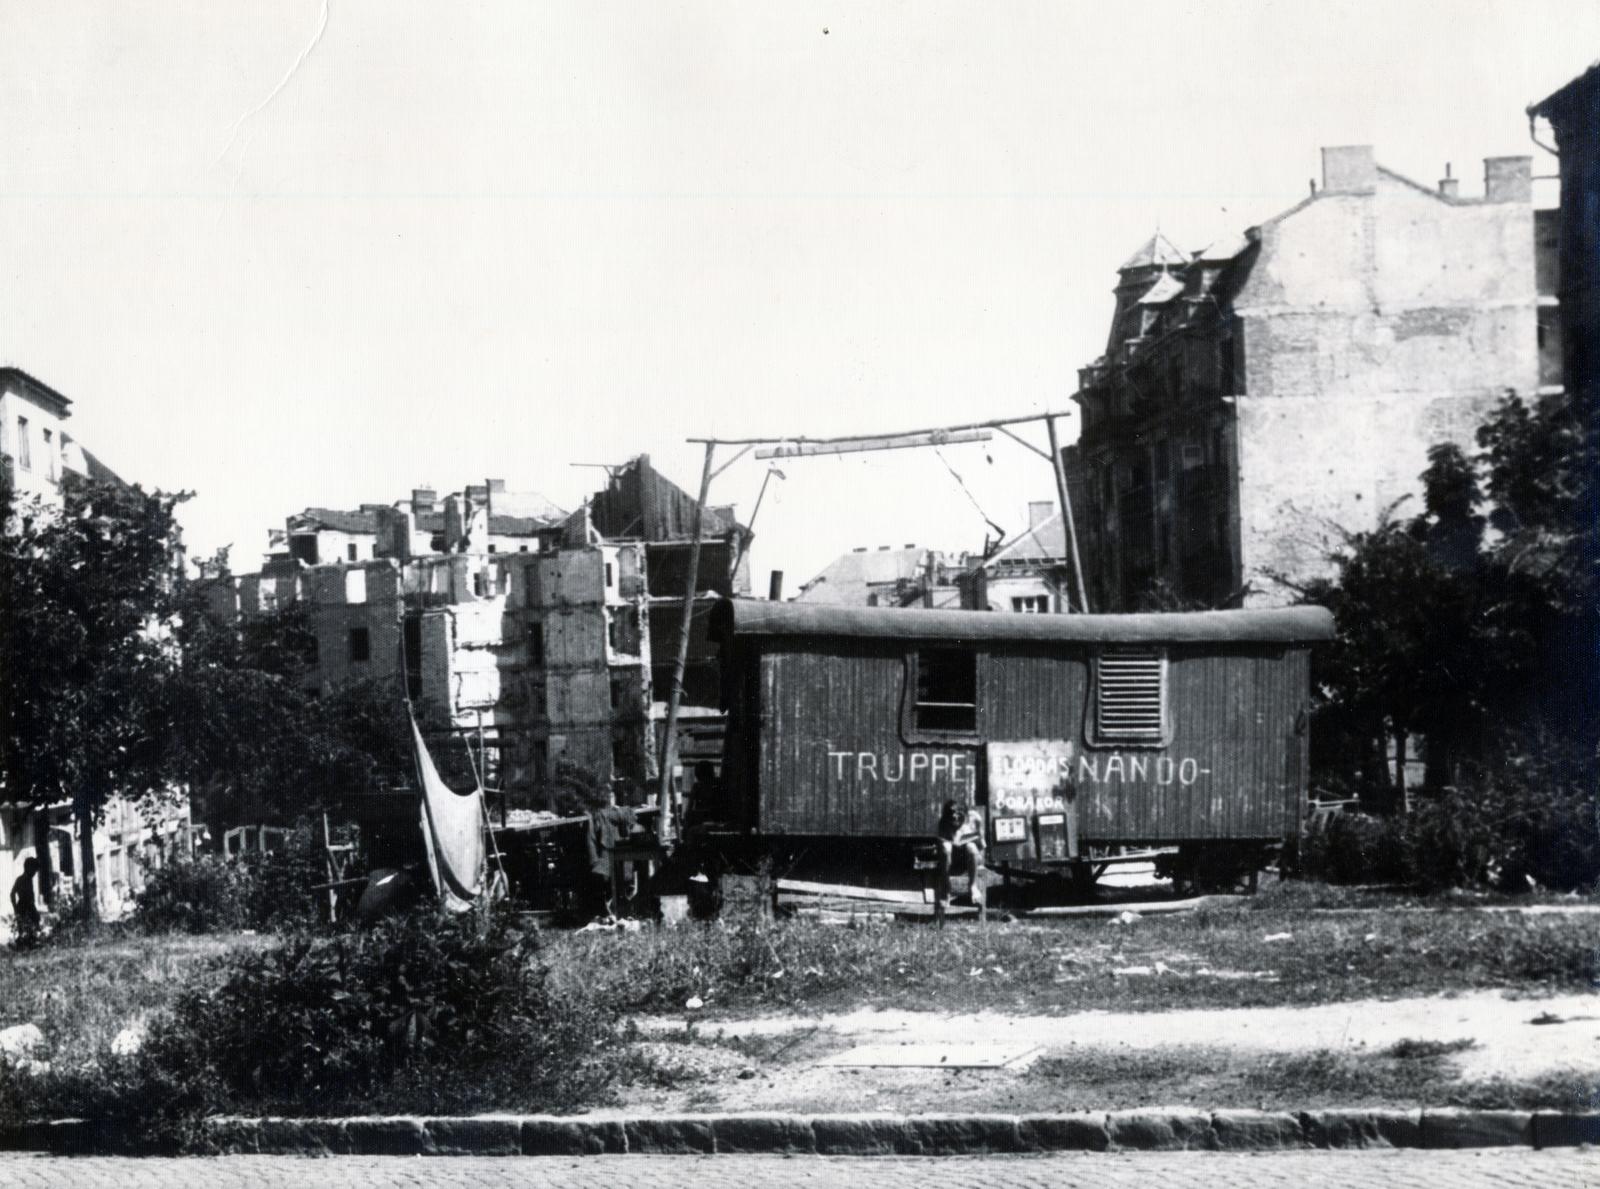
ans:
(669, 753)
(1066, 511)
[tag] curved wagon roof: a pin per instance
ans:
(1290, 625)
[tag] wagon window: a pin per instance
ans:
(946, 691)
(1130, 699)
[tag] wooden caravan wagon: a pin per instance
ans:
(849, 728)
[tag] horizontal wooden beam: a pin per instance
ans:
(935, 437)
(992, 423)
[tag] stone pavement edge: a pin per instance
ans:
(1138, 1130)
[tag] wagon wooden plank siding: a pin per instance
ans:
(1070, 732)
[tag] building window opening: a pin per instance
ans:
(536, 644)
(624, 633)
(413, 643)
(1130, 696)
(360, 646)
(50, 455)
(24, 445)
(1031, 604)
(351, 551)
(1549, 328)
(946, 691)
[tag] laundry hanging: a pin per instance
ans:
(452, 832)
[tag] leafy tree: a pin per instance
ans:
(255, 738)
(86, 601)
(1473, 628)
(117, 680)
(1541, 477)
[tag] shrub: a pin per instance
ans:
(1529, 819)
(280, 894)
(1356, 847)
(422, 1013)
(203, 894)
(258, 890)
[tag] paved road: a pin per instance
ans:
(1558, 1169)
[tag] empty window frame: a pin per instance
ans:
(1130, 697)
(1031, 604)
(944, 683)
(360, 645)
(413, 646)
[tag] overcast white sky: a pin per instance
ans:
(471, 240)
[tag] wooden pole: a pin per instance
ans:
(906, 441)
(1066, 511)
(669, 752)
(795, 439)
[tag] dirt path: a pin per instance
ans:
(1508, 1041)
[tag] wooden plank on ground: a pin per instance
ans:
(801, 887)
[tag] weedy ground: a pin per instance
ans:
(1275, 949)
(1292, 946)
(707, 1072)
(83, 993)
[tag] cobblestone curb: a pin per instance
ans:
(1165, 1129)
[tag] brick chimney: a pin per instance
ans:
(1039, 511)
(394, 533)
(1349, 169)
(1508, 179)
(463, 526)
(1449, 187)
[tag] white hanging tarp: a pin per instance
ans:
(452, 833)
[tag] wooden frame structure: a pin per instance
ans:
(799, 446)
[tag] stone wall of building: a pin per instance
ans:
(1374, 325)
(1261, 399)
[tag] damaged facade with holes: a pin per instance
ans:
(1074, 735)
(1259, 396)
(545, 638)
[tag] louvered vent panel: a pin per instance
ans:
(1129, 705)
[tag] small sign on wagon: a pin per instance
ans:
(1032, 792)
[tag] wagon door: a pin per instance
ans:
(1033, 806)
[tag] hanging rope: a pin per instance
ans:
(962, 483)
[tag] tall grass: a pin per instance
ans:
(1211, 958)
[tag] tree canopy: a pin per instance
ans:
(118, 681)
(1473, 620)
(86, 598)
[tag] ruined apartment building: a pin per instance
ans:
(507, 522)
(545, 654)
(548, 652)
(1259, 396)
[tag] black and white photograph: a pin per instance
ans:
(699, 594)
